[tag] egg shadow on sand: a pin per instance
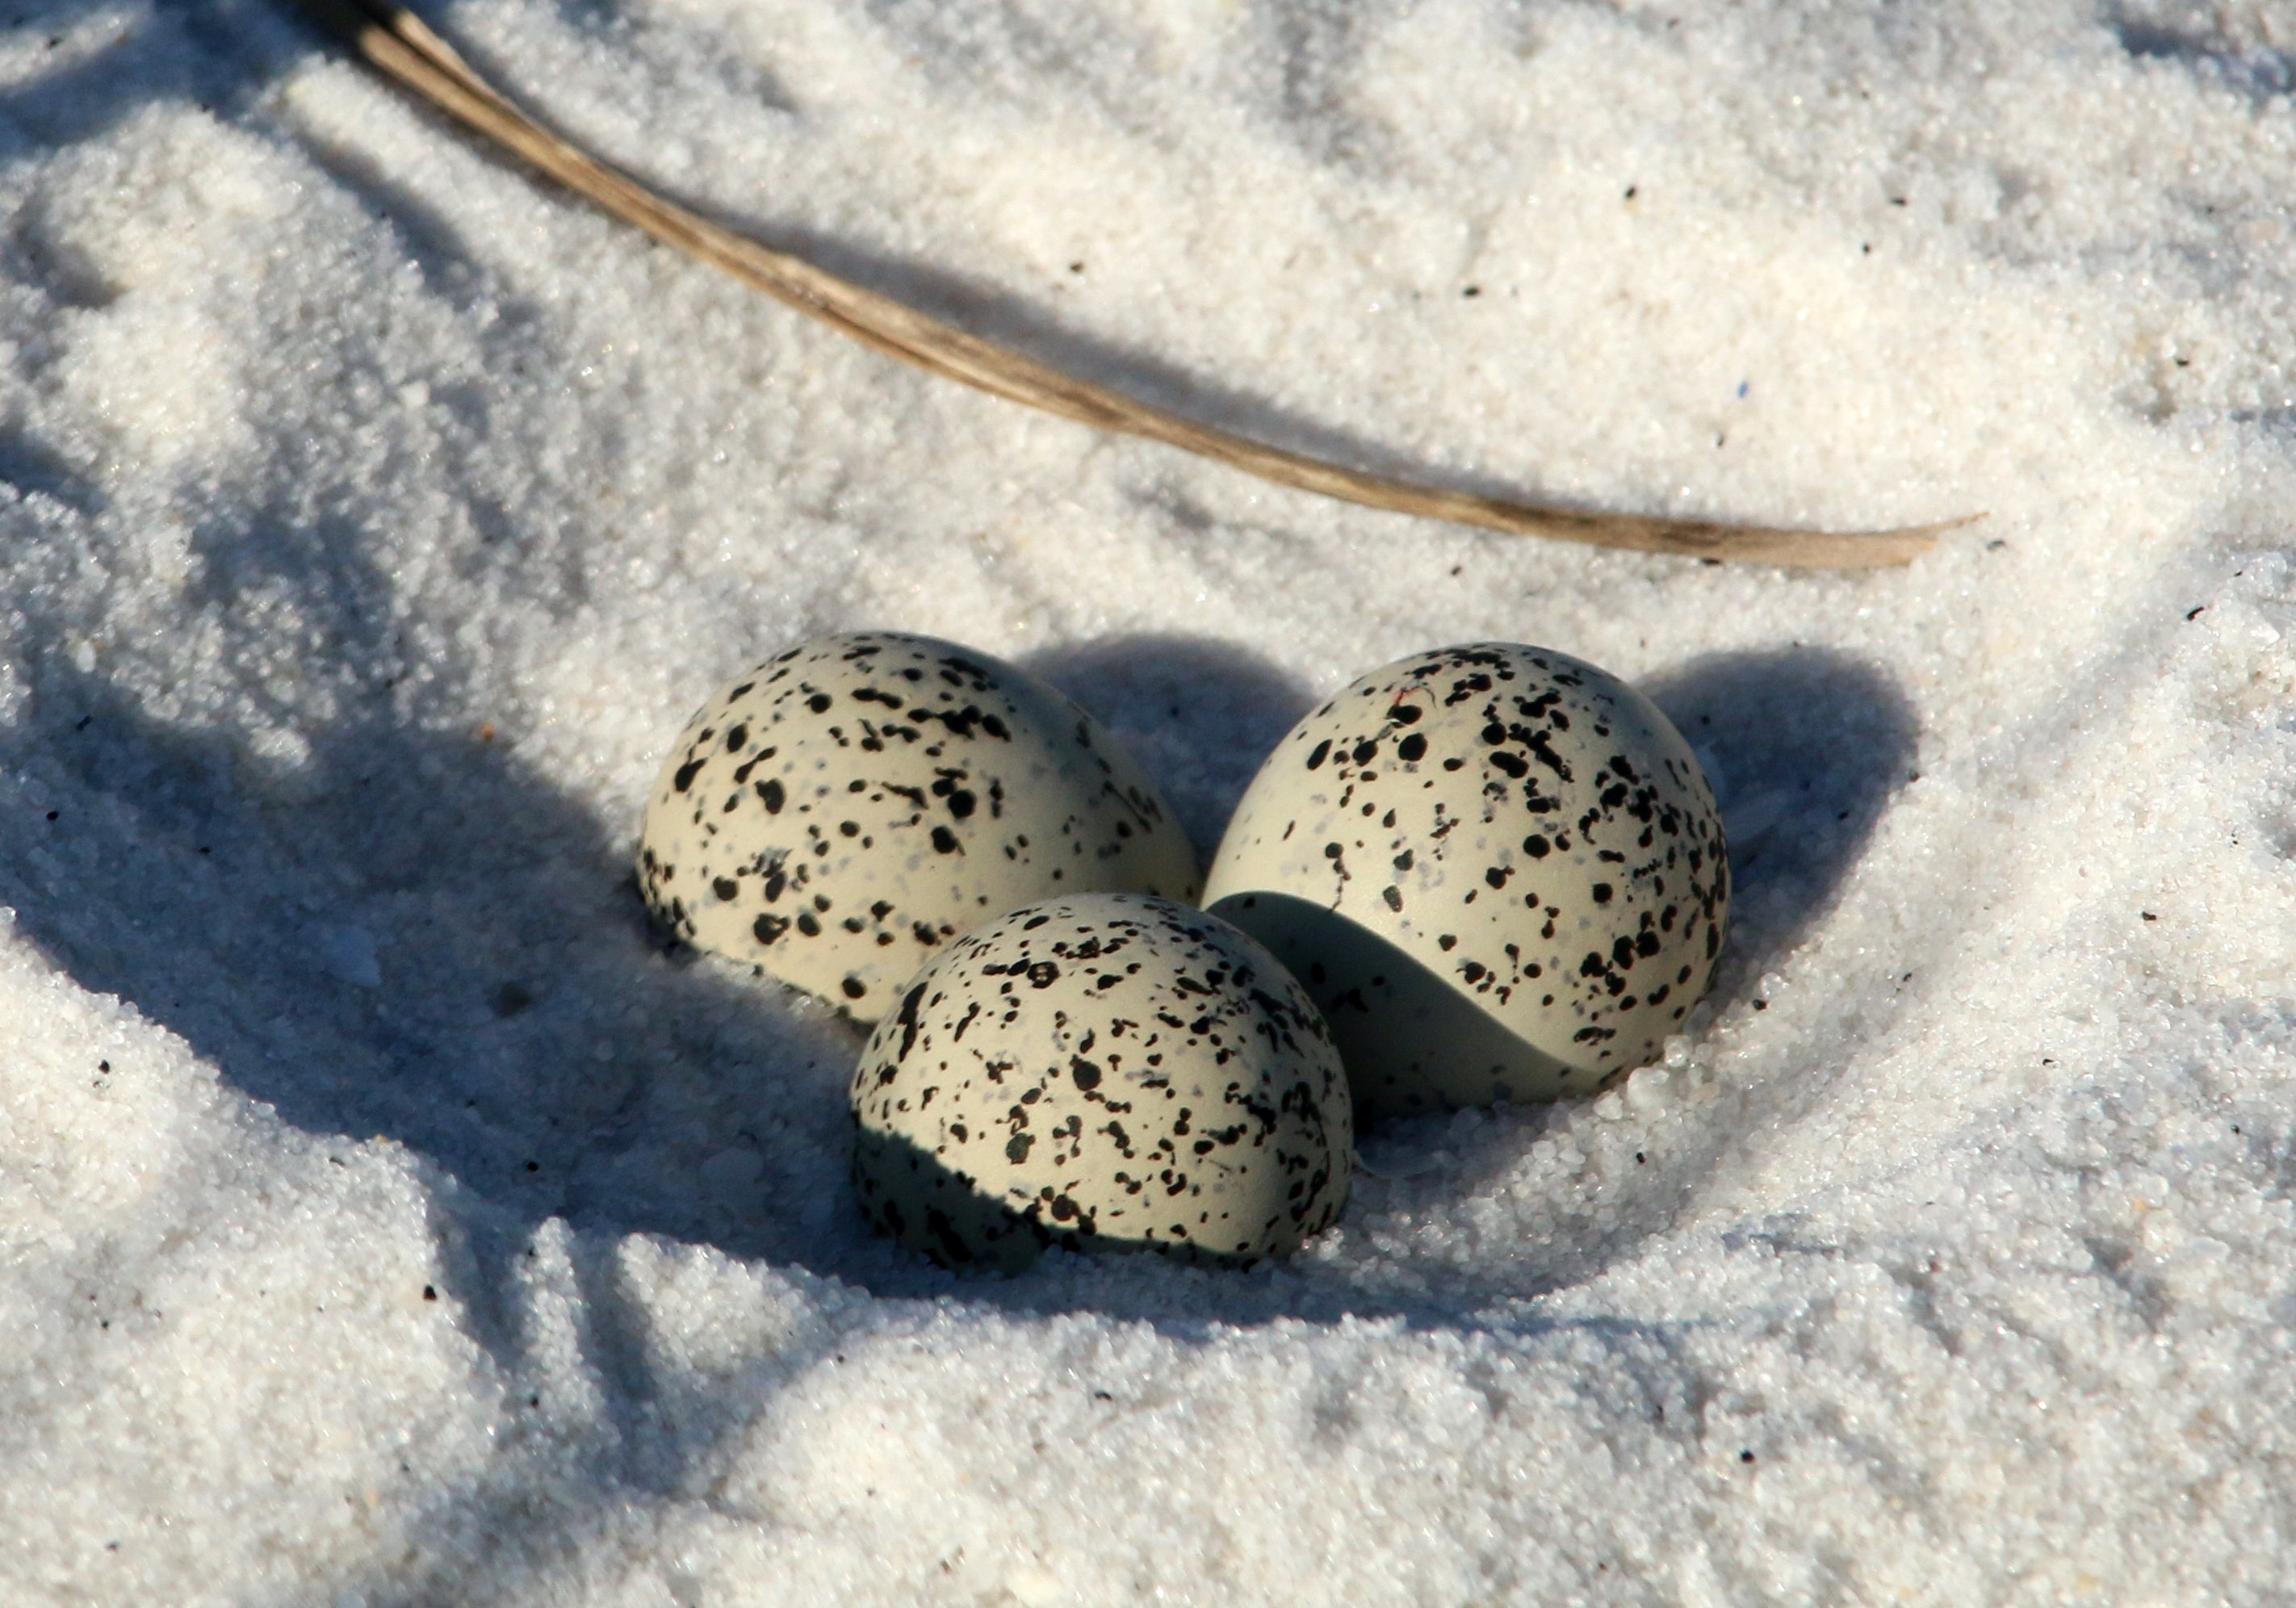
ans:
(1804, 747)
(404, 930)
(410, 932)
(1199, 715)
(1807, 747)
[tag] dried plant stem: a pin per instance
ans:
(397, 43)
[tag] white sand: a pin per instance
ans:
(373, 519)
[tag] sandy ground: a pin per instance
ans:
(385, 1218)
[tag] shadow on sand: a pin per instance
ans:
(406, 931)
(395, 926)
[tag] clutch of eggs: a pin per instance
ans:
(835, 815)
(1106, 1070)
(1498, 870)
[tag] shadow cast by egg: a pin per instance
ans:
(1199, 714)
(974, 1230)
(1805, 748)
(1435, 1047)
(396, 927)
(410, 932)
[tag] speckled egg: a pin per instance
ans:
(836, 815)
(1498, 870)
(1101, 1072)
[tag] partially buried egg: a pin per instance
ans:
(1102, 1072)
(1498, 870)
(838, 813)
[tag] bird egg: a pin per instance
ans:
(1099, 1072)
(839, 814)
(1497, 869)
